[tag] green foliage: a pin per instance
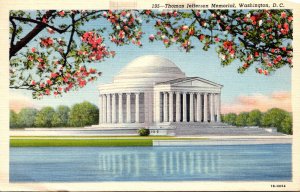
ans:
(61, 116)
(254, 118)
(84, 114)
(26, 117)
(273, 118)
(287, 125)
(144, 132)
(44, 117)
(13, 119)
(241, 119)
(230, 118)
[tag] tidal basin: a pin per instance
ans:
(263, 162)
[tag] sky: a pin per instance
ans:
(241, 92)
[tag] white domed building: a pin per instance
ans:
(152, 92)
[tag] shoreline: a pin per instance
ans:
(138, 141)
(253, 141)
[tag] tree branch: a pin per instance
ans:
(36, 30)
(41, 23)
(14, 32)
(16, 87)
(70, 40)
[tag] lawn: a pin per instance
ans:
(87, 141)
(79, 142)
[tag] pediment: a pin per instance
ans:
(193, 82)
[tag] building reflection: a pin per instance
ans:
(159, 163)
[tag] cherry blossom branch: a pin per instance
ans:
(36, 30)
(40, 23)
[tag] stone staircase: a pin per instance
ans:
(218, 129)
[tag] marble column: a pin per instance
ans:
(184, 111)
(137, 107)
(120, 95)
(113, 108)
(177, 106)
(218, 110)
(212, 111)
(205, 108)
(157, 107)
(198, 119)
(191, 107)
(165, 104)
(108, 108)
(100, 109)
(171, 113)
(128, 111)
(104, 108)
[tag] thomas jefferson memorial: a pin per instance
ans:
(152, 92)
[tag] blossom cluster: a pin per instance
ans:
(126, 27)
(246, 36)
(96, 48)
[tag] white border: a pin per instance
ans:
(133, 186)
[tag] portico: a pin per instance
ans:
(188, 107)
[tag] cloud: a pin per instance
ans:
(17, 101)
(279, 99)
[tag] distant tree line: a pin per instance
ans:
(79, 115)
(274, 117)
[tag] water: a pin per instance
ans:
(197, 163)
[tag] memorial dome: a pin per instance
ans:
(148, 69)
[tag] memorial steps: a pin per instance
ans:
(220, 129)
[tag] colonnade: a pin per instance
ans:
(112, 105)
(187, 107)
(169, 107)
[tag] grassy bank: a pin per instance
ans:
(86, 141)
(92, 137)
(79, 142)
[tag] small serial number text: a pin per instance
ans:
(278, 186)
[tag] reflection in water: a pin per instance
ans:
(196, 163)
(158, 163)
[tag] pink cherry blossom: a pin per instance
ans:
(51, 31)
(53, 75)
(283, 15)
(122, 34)
(61, 13)
(151, 37)
(47, 92)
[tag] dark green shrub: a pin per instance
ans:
(144, 132)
